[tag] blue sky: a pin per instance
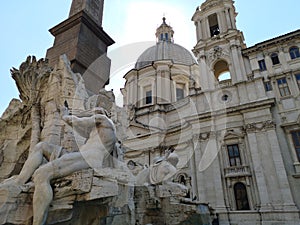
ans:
(25, 26)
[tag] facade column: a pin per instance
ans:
(228, 18)
(232, 18)
(269, 63)
(259, 174)
(197, 30)
(206, 28)
(159, 87)
(135, 91)
(202, 188)
(221, 22)
(242, 64)
(236, 63)
(223, 13)
(282, 59)
(280, 171)
(199, 33)
(205, 75)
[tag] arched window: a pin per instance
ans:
(294, 52)
(241, 197)
(274, 58)
(213, 25)
(221, 70)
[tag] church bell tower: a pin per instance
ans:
(219, 43)
(82, 38)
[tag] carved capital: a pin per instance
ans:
(234, 46)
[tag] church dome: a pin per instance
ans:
(165, 49)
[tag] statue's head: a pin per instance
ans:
(100, 110)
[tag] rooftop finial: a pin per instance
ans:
(164, 20)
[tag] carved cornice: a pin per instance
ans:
(260, 126)
(210, 4)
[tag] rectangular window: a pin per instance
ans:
(148, 99)
(262, 65)
(297, 76)
(294, 52)
(179, 94)
(296, 141)
(268, 86)
(275, 59)
(234, 155)
(179, 91)
(283, 87)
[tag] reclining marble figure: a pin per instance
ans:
(160, 173)
(100, 135)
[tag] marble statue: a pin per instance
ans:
(160, 174)
(162, 169)
(100, 135)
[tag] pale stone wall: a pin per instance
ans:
(237, 111)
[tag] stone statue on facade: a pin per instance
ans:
(100, 135)
(159, 176)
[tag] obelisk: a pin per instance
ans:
(82, 38)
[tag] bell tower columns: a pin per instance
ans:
(219, 42)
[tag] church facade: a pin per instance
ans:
(231, 113)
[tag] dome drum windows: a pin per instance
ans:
(179, 91)
(148, 99)
(147, 95)
(146, 89)
(181, 84)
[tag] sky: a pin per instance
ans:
(132, 24)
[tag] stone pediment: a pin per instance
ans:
(232, 135)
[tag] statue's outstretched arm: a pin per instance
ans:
(81, 125)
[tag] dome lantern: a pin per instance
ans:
(164, 32)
